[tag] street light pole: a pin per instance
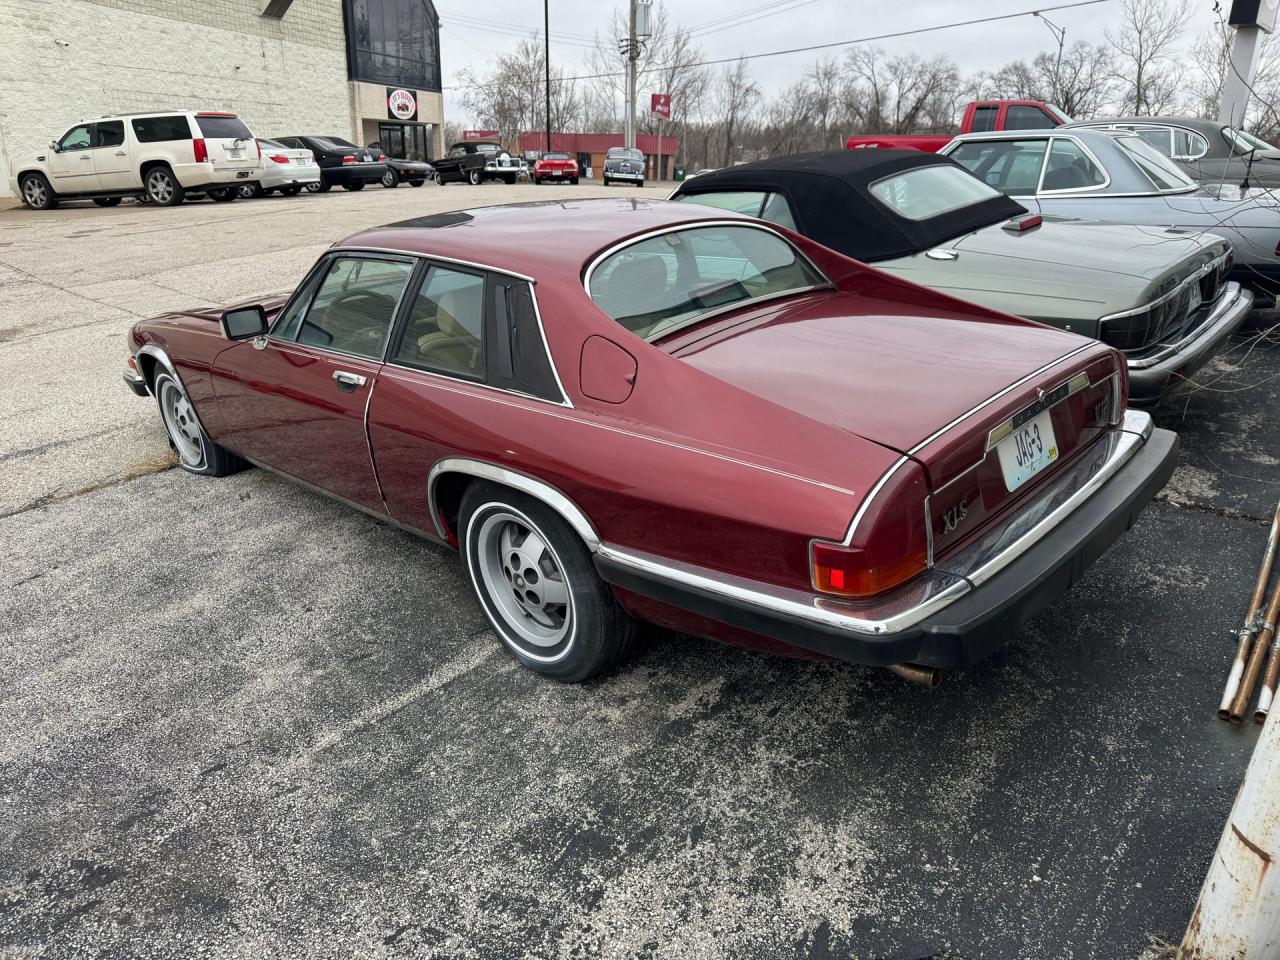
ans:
(546, 62)
(1059, 34)
(633, 54)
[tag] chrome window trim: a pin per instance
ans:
(822, 610)
(760, 225)
(403, 368)
(1049, 135)
(435, 256)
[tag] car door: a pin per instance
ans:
(71, 165)
(296, 399)
(111, 157)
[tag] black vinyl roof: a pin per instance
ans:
(832, 203)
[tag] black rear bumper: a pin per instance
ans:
(971, 627)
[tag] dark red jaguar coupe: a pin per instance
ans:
(676, 415)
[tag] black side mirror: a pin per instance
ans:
(244, 322)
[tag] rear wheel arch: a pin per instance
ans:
(449, 479)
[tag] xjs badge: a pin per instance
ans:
(951, 517)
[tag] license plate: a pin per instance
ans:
(243, 174)
(1027, 451)
(556, 173)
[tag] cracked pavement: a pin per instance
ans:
(241, 720)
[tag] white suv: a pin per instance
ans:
(159, 156)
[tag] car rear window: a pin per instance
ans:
(556, 156)
(156, 129)
(1159, 169)
(335, 143)
(223, 128)
(658, 285)
(928, 192)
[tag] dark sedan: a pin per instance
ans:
(413, 172)
(1210, 151)
(342, 163)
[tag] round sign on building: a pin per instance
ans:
(402, 104)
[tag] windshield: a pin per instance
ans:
(1163, 173)
(487, 148)
(623, 153)
(928, 192)
(1244, 142)
(658, 285)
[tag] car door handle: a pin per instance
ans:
(122, 153)
(86, 156)
(347, 382)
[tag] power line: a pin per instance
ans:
(745, 17)
(843, 43)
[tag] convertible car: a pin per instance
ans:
(1159, 296)
(1119, 177)
(675, 415)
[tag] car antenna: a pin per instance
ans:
(1248, 169)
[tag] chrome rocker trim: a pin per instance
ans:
(933, 590)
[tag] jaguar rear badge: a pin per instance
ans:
(952, 516)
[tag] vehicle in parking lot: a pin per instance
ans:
(1118, 176)
(1213, 153)
(341, 162)
(163, 156)
(557, 167)
(475, 161)
(1162, 296)
(624, 165)
(413, 172)
(978, 115)
(678, 415)
(284, 169)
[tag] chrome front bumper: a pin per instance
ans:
(1150, 374)
(969, 602)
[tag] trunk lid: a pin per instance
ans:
(932, 382)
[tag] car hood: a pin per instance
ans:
(886, 371)
(1064, 269)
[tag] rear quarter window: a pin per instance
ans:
(223, 128)
(157, 129)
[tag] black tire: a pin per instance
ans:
(250, 191)
(37, 193)
(474, 177)
(574, 181)
(292, 190)
(509, 181)
(163, 188)
(390, 179)
(438, 177)
(537, 182)
(196, 452)
(107, 201)
(416, 183)
(355, 186)
(607, 181)
(599, 633)
(640, 184)
(324, 187)
(224, 194)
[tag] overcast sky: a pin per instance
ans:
(800, 22)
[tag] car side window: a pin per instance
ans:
(458, 152)
(1020, 117)
(286, 324)
(1009, 165)
(77, 138)
(354, 305)
(292, 143)
(157, 129)
(1070, 168)
(778, 210)
(108, 133)
(739, 201)
(984, 118)
(1159, 137)
(1188, 145)
(445, 330)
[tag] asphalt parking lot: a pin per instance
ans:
(240, 720)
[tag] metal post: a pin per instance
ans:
(1240, 73)
(633, 53)
(546, 58)
(1059, 34)
(1238, 914)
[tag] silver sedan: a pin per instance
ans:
(285, 169)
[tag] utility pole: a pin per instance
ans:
(633, 54)
(546, 61)
(1059, 34)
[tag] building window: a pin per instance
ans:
(395, 42)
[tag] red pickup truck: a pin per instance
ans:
(978, 115)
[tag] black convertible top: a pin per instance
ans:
(832, 203)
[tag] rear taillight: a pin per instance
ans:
(382, 157)
(349, 159)
(202, 151)
(279, 158)
(889, 546)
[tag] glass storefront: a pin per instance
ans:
(406, 141)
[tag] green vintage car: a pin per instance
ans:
(1159, 295)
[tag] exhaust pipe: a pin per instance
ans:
(921, 676)
(1268, 639)
(1248, 660)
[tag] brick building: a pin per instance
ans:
(286, 66)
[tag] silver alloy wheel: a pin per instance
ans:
(439, 179)
(34, 192)
(246, 191)
(180, 420)
(525, 582)
(313, 187)
(159, 186)
(389, 178)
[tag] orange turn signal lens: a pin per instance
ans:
(855, 572)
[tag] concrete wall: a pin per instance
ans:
(62, 61)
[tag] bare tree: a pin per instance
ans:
(511, 97)
(1082, 83)
(736, 97)
(1145, 49)
(1210, 61)
(900, 94)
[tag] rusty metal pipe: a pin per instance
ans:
(1267, 639)
(1248, 660)
(921, 676)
